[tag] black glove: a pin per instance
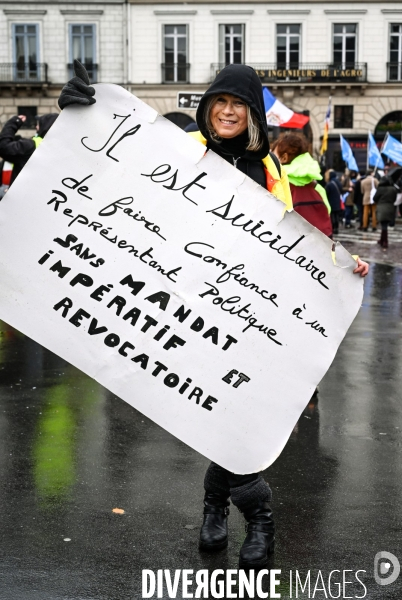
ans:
(77, 90)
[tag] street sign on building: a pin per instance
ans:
(189, 99)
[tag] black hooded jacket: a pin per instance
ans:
(243, 82)
(18, 150)
(384, 198)
(334, 191)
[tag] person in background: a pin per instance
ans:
(392, 222)
(358, 201)
(348, 196)
(308, 196)
(399, 199)
(384, 201)
(18, 150)
(368, 184)
(334, 191)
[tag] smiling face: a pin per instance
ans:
(228, 116)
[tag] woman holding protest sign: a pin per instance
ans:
(232, 122)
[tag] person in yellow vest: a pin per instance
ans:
(18, 150)
(232, 122)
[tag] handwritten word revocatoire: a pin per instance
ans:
(113, 340)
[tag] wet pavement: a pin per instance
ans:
(366, 244)
(71, 452)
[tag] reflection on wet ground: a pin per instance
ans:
(365, 244)
(70, 452)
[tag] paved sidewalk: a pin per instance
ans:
(71, 452)
(365, 244)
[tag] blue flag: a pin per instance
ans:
(393, 149)
(374, 156)
(347, 155)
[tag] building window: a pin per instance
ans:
(175, 53)
(287, 46)
(345, 47)
(25, 49)
(31, 113)
(343, 117)
(231, 44)
(395, 53)
(391, 122)
(82, 47)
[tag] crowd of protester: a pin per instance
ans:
(370, 201)
(332, 200)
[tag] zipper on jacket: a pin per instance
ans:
(235, 161)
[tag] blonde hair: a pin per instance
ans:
(253, 126)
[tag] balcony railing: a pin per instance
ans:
(92, 70)
(23, 72)
(394, 71)
(175, 73)
(306, 72)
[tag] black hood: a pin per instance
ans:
(243, 82)
(385, 181)
(45, 123)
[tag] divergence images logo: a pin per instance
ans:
(386, 568)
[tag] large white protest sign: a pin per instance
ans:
(172, 279)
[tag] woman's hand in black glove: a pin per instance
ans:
(77, 90)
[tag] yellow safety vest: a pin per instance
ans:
(37, 140)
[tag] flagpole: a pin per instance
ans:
(324, 144)
(376, 164)
(383, 142)
(377, 161)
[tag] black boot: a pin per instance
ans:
(260, 539)
(214, 530)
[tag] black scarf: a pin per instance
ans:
(234, 151)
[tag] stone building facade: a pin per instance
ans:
(304, 52)
(40, 41)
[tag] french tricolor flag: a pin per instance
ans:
(279, 115)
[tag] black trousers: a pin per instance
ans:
(335, 214)
(232, 479)
(245, 491)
